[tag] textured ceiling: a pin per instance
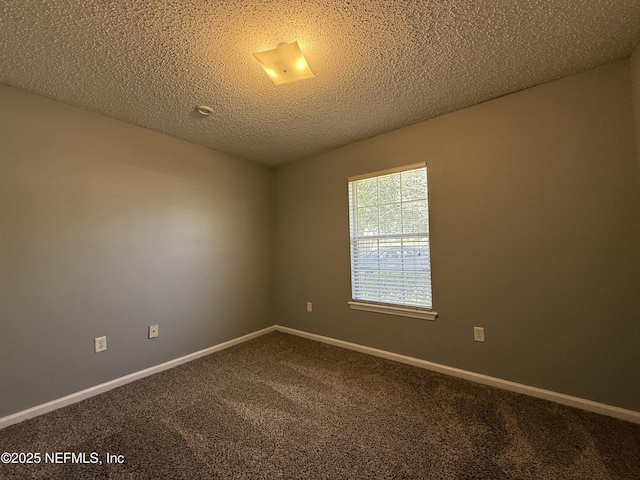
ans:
(379, 64)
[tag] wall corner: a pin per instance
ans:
(635, 96)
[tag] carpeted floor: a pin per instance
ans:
(280, 406)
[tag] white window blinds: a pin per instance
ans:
(389, 226)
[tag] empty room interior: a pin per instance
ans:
(190, 269)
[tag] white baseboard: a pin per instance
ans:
(604, 409)
(591, 406)
(104, 387)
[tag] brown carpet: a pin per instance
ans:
(280, 406)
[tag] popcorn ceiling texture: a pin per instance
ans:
(379, 64)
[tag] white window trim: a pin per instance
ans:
(392, 309)
(379, 173)
(401, 311)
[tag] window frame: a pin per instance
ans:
(380, 307)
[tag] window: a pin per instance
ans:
(389, 232)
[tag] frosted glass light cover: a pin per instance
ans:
(285, 63)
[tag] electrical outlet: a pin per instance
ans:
(309, 307)
(153, 331)
(478, 334)
(100, 344)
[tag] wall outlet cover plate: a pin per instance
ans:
(100, 344)
(153, 331)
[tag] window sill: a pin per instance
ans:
(394, 310)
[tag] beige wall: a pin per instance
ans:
(107, 228)
(635, 81)
(535, 222)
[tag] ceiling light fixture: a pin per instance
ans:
(285, 63)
